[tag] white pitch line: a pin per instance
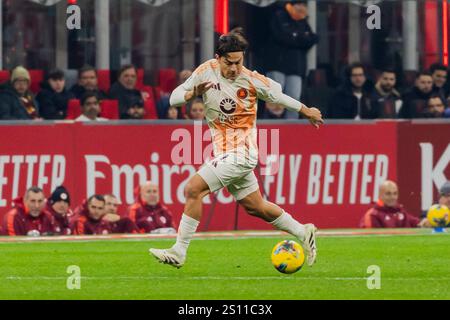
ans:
(207, 278)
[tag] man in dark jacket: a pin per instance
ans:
(131, 102)
(58, 207)
(54, 97)
(87, 81)
(385, 99)
(289, 41)
(16, 100)
(352, 99)
(415, 100)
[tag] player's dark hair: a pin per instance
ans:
(84, 69)
(87, 95)
(437, 66)
(98, 197)
(233, 41)
(388, 70)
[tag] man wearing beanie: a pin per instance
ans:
(58, 206)
(444, 193)
(16, 100)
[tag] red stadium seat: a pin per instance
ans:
(149, 104)
(73, 109)
(167, 80)
(140, 79)
(104, 80)
(4, 76)
(110, 109)
(37, 76)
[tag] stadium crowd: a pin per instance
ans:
(34, 215)
(357, 97)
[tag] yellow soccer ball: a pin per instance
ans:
(438, 215)
(288, 256)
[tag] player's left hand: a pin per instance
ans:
(313, 115)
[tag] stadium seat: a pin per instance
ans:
(150, 104)
(4, 76)
(140, 79)
(409, 78)
(110, 109)
(104, 80)
(167, 80)
(73, 109)
(71, 76)
(37, 76)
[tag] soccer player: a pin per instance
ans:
(230, 93)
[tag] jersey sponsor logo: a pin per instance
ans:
(216, 86)
(242, 93)
(228, 106)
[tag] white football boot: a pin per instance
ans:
(309, 244)
(168, 256)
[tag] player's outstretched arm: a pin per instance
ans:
(182, 95)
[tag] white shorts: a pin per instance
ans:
(227, 171)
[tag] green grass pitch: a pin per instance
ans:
(412, 266)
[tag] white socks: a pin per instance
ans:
(285, 222)
(186, 231)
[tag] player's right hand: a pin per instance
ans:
(200, 89)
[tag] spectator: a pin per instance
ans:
(90, 108)
(415, 100)
(439, 74)
(58, 207)
(388, 213)
(385, 99)
(444, 192)
(119, 224)
(289, 41)
(54, 97)
(197, 110)
(28, 218)
(163, 104)
(435, 107)
(131, 100)
(90, 217)
(16, 100)
(273, 111)
(172, 113)
(87, 81)
(352, 99)
(148, 213)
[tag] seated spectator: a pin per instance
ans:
(90, 217)
(131, 100)
(58, 207)
(16, 100)
(197, 110)
(352, 99)
(385, 99)
(28, 218)
(444, 192)
(172, 113)
(90, 108)
(119, 224)
(163, 103)
(273, 111)
(148, 213)
(87, 81)
(439, 74)
(435, 107)
(388, 213)
(415, 100)
(54, 97)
